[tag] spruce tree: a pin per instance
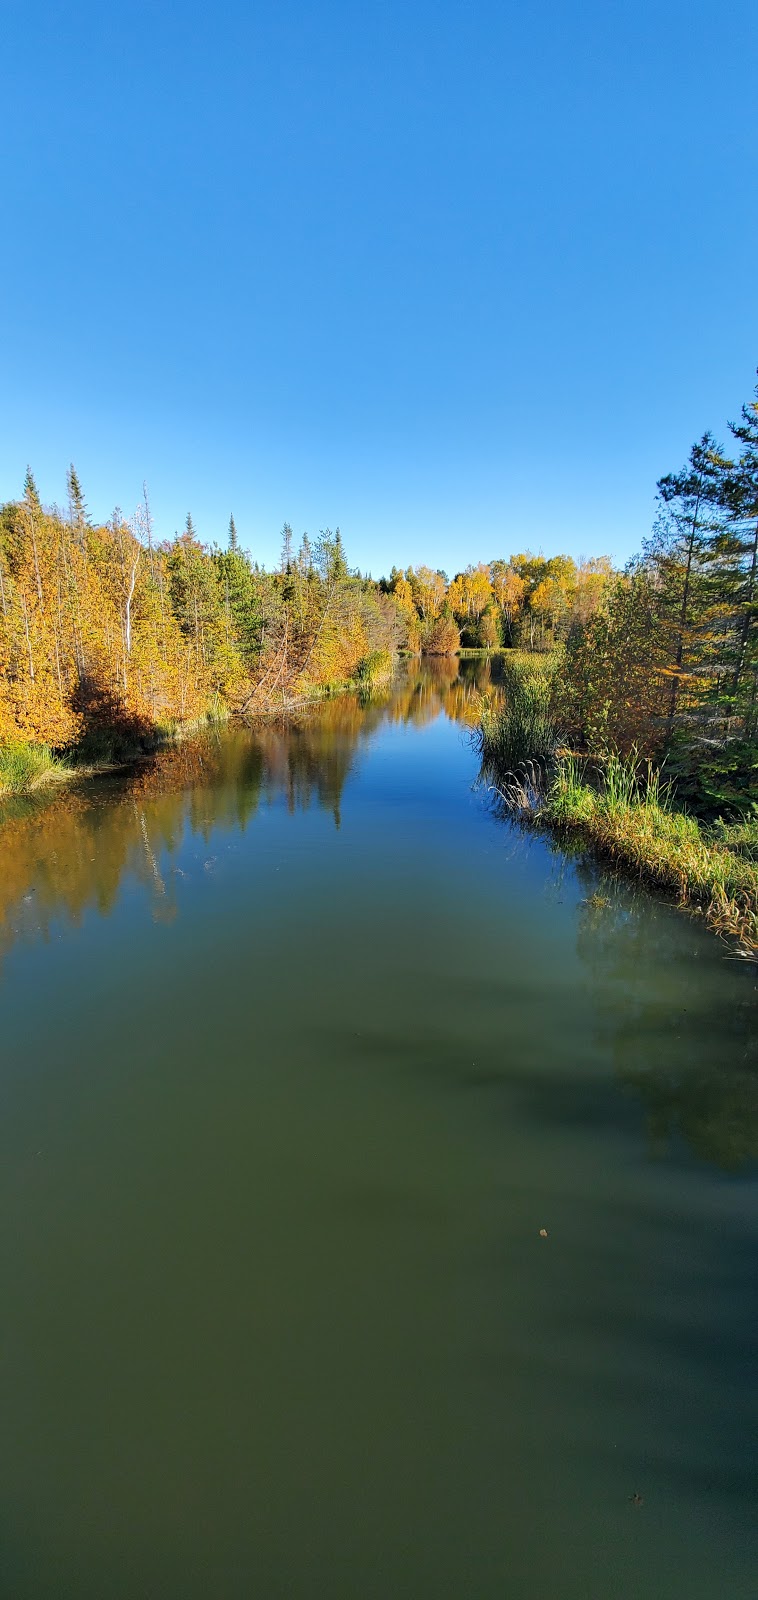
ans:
(77, 503)
(286, 556)
(682, 548)
(31, 494)
(741, 495)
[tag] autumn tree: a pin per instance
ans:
(508, 589)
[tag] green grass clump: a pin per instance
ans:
(521, 727)
(26, 766)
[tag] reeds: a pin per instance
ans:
(521, 727)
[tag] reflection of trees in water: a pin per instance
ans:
(678, 1017)
(441, 683)
(66, 853)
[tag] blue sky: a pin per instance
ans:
(458, 276)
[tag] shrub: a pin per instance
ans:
(441, 637)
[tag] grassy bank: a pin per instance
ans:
(619, 808)
(625, 814)
(376, 671)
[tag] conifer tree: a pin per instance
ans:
(682, 548)
(31, 493)
(741, 496)
(78, 514)
(285, 560)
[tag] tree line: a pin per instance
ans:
(107, 633)
(105, 629)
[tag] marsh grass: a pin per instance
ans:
(24, 767)
(520, 727)
(740, 837)
(171, 730)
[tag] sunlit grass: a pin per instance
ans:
(26, 766)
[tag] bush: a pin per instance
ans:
(441, 637)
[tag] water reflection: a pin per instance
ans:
(663, 1007)
(71, 850)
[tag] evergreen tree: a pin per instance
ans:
(78, 514)
(741, 497)
(682, 549)
(233, 540)
(31, 495)
(305, 557)
(285, 560)
(240, 590)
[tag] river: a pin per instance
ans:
(379, 1189)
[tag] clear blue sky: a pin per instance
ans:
(459, 275)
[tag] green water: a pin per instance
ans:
(301, 1048)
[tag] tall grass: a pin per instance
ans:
(626, 812)
(521, 727)
(27, 766)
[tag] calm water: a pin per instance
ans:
(301, 1048)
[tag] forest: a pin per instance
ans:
(111, 638)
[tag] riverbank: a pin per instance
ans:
(27, 768)
(619, 808)
(627, 818)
